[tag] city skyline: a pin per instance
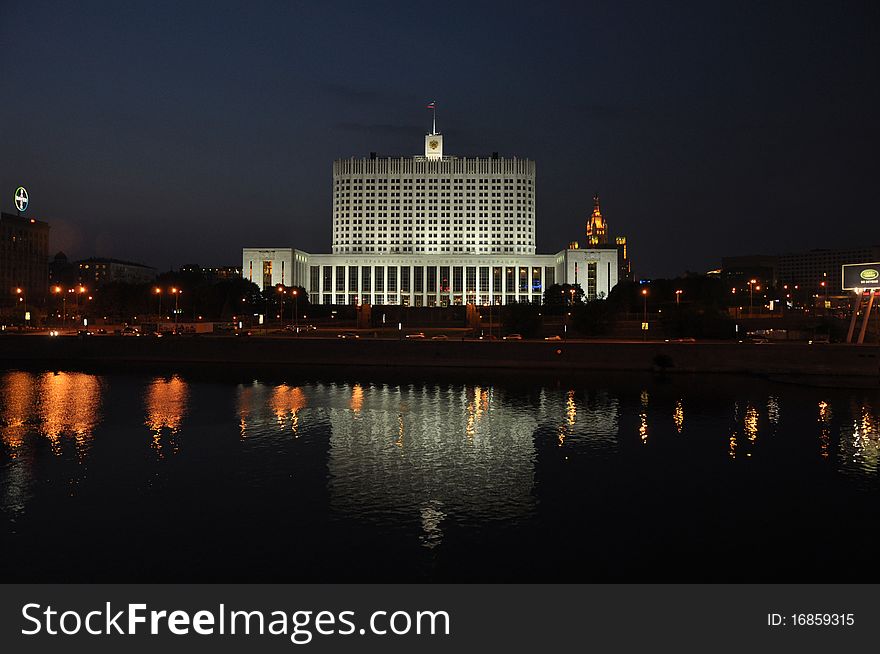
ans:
(169, 136)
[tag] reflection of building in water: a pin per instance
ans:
(860, 440)
(429, 453)
(166, 405)
(286, 403)
(590, 423)
(270, 410)
(824, 419)
(678, 416)
(17, 392)
(54, 406)
(69, 405)
(744, 435)
(643, 418)
(773, 410)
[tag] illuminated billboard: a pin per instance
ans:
(861, 276)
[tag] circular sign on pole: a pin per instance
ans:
(21, 198)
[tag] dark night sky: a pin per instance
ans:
(170, 132)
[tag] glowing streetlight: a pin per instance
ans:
(752, 283)
(57, 290)
(678, 296)
(281, 290)
(177, 293)
(158, 292)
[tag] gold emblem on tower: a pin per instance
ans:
(433, 143)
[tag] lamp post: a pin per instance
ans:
(176, 292)
(79, 291)
(281, 290)
(752, 283)
(678, 296)
(645, 314)
(158, 292)
(296, 309)
(20, 293)
(58, 291)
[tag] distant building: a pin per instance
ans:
(596, 229)
(62, 272)
(24, 260)
(808, 270)
(737, 272)
(598, 237)
(98, 271)
(215, 274)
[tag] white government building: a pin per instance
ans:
(432, 230)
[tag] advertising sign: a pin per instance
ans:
(861, 276)
(21, 198)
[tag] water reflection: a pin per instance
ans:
(643, 418)
(18, 393)
(61, 408)
(424, 463)
(54, 405)
(860, 440)
(453, 455)
(166, 404)
(825, 416)
(286, 403)
(678, 416)
(69, 405)
(744, 434)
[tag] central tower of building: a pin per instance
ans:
(434, 204)
(597, 229)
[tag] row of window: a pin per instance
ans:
(433, 279)
(442, 300)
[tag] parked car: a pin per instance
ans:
(557, 337)
(488, 337)
(513, 337)
(348, 335)
(440, 337)
(417, 335)
(130, 331)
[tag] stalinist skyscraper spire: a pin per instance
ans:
(597, 229)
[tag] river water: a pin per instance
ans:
(270, 476)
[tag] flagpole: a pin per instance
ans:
(434, 113)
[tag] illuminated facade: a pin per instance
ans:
(596, 228)
(432, 230)
(598, 238)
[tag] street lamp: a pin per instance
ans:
(176, 292)
(281, 290)
(752, 283)
(678, 296)
(296, 309)
(158, 292)
(79, 291)
(645, 314)
(57, 290)
(20, 293)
